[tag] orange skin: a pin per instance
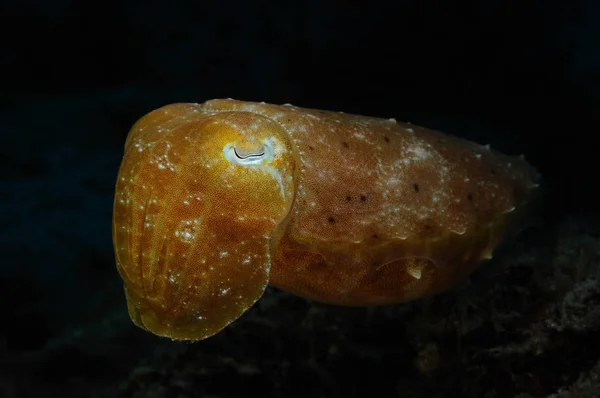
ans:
(215, 201)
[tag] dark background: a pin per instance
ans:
(523, 76)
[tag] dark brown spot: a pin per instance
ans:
(311, 147)
(386, 138)
(375, 236)
(428, 228)
(345, 144)
(416, 187)
(470, 197)
(331, 220)
(493, 171)
(363, 198)
(348, 198)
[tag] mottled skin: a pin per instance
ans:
(216, 200)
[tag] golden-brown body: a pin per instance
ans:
(214, 201)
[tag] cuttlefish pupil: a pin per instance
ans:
(259, 156)
(241, 155)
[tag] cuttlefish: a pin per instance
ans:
(215, 201)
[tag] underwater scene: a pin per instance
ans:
(304, 199)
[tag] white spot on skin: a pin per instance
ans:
(163, 161)
(186, 230)
(418, 152)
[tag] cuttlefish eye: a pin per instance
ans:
(244, 157)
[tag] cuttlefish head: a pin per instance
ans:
(199, 199)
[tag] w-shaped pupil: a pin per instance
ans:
(255, 154)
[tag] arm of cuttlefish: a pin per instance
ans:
(255, 160)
